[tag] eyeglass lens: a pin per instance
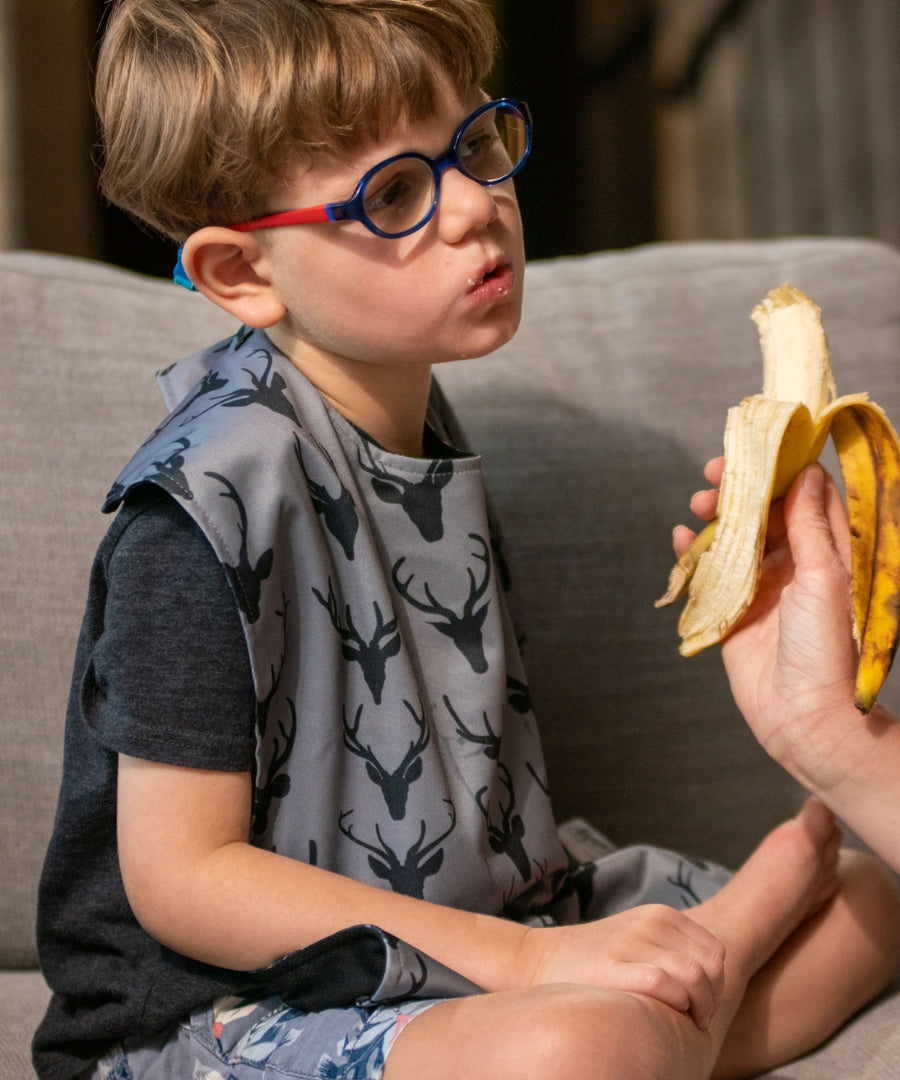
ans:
(400, 195)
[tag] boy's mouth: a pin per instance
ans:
(494, 274)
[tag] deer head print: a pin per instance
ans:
(421, 861)
(168, 472)
(489, 741)
(506, 838)
(373, 654)
(277, 782)
(420, 498)
(463, 628)
(394, 784)
(245, 577)
(337, 511)
(267, 389)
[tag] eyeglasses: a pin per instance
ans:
(399, 195)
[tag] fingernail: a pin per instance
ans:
(814, 480)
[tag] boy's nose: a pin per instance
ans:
(464, 205)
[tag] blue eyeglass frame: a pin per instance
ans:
(353, 209)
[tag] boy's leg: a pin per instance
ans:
(829, 968)
(562, 1031)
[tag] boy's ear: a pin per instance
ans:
(228, 267)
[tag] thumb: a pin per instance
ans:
(812, 510)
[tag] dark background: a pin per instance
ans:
(654, 120)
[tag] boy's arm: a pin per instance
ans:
(195, 884)
(198, 886)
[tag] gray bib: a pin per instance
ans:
(395, 739)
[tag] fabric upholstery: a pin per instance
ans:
(595, 424)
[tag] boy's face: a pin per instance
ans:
(451, 290)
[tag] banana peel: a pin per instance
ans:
(769, 438)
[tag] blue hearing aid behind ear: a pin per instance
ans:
(179, 274)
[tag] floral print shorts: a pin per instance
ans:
(265, 1039)
(249, 1040)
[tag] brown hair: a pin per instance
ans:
(204, 104)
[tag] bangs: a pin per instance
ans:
(368, 74)
(206, 107)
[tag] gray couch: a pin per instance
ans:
(595, 423)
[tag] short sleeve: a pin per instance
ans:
(169, 676)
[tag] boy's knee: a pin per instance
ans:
(865, 879)
(554, 1032)
(871, 893)
(874, 876)
(573, 1030)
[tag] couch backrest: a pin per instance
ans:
(595, 423)
(80, 344)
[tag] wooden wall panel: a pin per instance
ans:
(787, 121)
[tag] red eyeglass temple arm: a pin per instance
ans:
(307, 216)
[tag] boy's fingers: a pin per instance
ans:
(678, 981)
(695, 959)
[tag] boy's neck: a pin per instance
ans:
(390, 410)
(388, 402)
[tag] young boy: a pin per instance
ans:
(304, 828)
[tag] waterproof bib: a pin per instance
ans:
(395, 741)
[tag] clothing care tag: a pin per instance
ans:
(583, 843)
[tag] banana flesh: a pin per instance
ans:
(769, 438)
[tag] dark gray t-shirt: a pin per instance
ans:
(153, 571)
(134, 693)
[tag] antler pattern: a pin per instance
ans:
(278, 782)
(421, 861)
(463, 628)
(489, 741)
(506, 838)
(246, 578)
(394, 784)
(373, 654)
(338, 511)
(267, 390)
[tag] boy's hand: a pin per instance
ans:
(651, 950)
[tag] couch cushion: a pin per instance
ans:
(80, 344)
(23, 999)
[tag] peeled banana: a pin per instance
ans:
(769, 438)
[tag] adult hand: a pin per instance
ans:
(792, 660)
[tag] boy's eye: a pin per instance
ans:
(397, 194)
(482, 153)
(477, 143)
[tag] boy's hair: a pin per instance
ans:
(205, 105)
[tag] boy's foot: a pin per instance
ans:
(787, 879)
